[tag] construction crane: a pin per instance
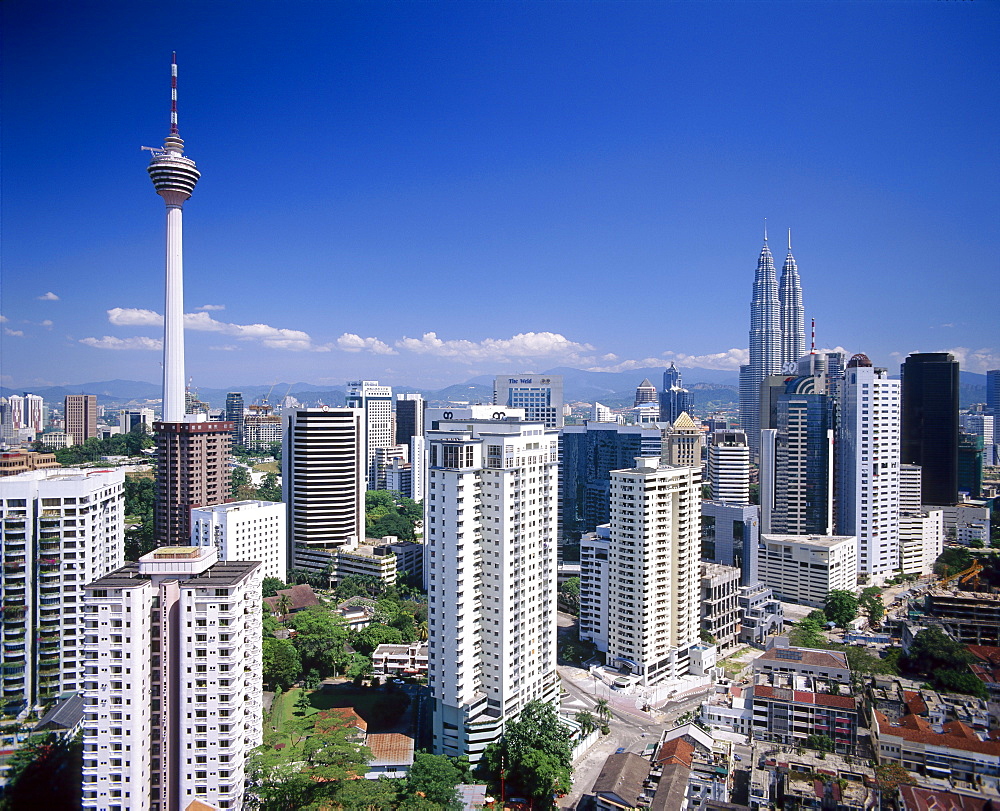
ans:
(974, 575)
(965, 574)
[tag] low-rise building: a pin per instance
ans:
(970, 617)
(363, 560)
(805, 568)
(761, 615)
(788, 708)
(400, 660)
(14, 462)
(720, 610)
(244, 530)
(780, 657)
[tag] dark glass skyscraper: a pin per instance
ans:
(793, 319)
(674, 398)
(930, 424)
(234, 414)
(765, 345)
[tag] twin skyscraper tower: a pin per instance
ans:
(777, 333)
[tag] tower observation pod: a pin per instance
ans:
(174, 177)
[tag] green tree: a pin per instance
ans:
(281, 662)
(841, 607)
(821, 743)
(270, 585)
(240, 485)
(819, 615)
(140, 495)
(890, 776)
(303, 702)
(807, 633)
(871, 605)
(603, 709)
(368, 795)
(359, 586)
(367, 639)
(320, 638)
(534, 752)
(957, 681)
(269, 489)
(952, 560)
(932, 649)
(586, 721)
(569, 595)
(435, 778)
(40, 774)
(392, 524)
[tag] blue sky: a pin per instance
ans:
(424, 192)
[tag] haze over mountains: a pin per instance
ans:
(612, 388)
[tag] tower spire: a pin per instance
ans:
(173, 95)
(765, 229)
(789, 240)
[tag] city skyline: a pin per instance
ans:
(439, 148)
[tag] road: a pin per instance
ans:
(631, 728)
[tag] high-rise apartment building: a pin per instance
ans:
(930, 423)
(261, 428)
(61, 528)
(23, 418)
(868, 466)
(982, 424)
(192, 470)
(245, 530)
(729, 467)
(796, 469)
(765, 345)
(80, 411)
(409, 417)
(234, 414)
(375, 403)
(491, 527)
(674, 398)
(323, 481)
(173, 685)
(541, 396)
(589, 453)
(653, 570)
(970, 464)
(793, 322)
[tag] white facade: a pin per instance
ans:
(375, 402)
(62, 527)
(869, 467)
(131, 418)
(602, 413)
(261, 431)
(418, 470)
(541, 396)
(322, 477)
(805, 568)
(653, 569)
(921, 532)
(173, 685)
(23, 418)
(491, 528)
(594, 552)
(729, 467)
(245, 530)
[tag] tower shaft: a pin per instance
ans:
(173, 319)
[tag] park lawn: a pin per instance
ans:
(267, 467)
(363, 700)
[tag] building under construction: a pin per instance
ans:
(972, 617)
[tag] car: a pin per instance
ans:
(737, 757)
(619, 750)
(398, 681)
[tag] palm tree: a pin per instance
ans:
(422, 631)
(284, 605)
(603, 709)
(586, 722)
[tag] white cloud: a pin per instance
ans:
(3, 319)
(129, 317)
(731, 360)
(271, 337)
(16, 333)
(522, 345)
(627, 365)
(46, 323)
(110, 342)
(975, 360)
(350, 342)
(50, 296)
(211, 307)
(226, 348)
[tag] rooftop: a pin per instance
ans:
(390, 749)
(954, 734)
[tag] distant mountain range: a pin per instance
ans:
(709, 389)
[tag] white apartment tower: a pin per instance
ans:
(541, 396)
(729, 467)
(323, 481)
(868, 470)
(245, 530)
(653, 569)
(173, 692)
(61, 528)
(491, 528)
(375, 403)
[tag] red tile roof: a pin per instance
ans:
(676, 751)
(925, 799)
(956, 735)
(802, 697)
